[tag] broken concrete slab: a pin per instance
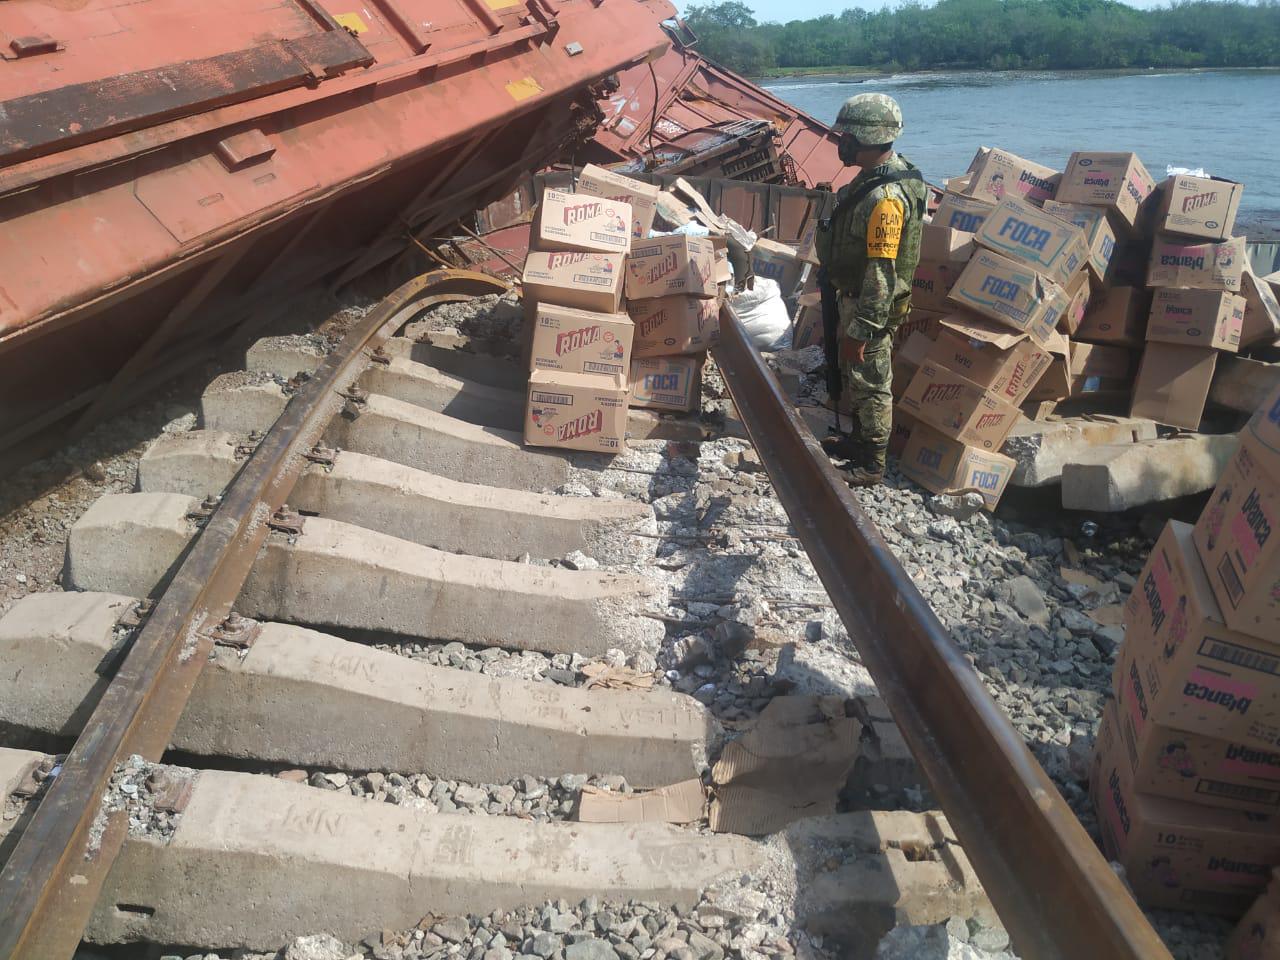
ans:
(337, 575)
(297, 696)
(1109, 479)
(1041, 447)
(255, 861)
(413, 505)
(1242, 384)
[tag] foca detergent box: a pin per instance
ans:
(1011, 293)
(1055, 247)
(666, 383)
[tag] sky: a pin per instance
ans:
(784, 10)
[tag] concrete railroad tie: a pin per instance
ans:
(1042, 447)
(1116, 478)
(255, 861)
(301, 697)
(338, 575)
(414, 505)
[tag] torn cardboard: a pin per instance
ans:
(683, 802)
(1011, 293)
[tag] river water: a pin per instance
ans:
(1226, 121)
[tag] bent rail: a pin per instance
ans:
(1052, 888)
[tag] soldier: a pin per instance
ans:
(868, 250)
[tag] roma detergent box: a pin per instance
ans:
(641, 197)
(1238, 534)
(964, 214)
(1173, 383)
(1097, 233)
(1116, 315)
(1196, 672)
(1190, 766)
(994, 174)
(670, 325)
(1011, 293)
(943, 465)
(665, 266)
(958, 407)
(1196, 318)
(574, 221)
(588, 281)
(1200, 207)
(1000, 360)
(1056, 248)
(576, 411)
(932, 283)
(579, 341)
(666, 383)
(1117, 181)
(918, 321)
(1205, 266)
(1182, 856)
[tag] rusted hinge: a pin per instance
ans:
(380, 356)
(325, 456)
(286, 520)
(245, 448)
(236, 632)
(136, 615)
(204, 511)
(355, 400)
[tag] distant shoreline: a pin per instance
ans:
(861, 74)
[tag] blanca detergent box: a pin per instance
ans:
(994, 174)
(959, 407)
(666, 383)
(642, 197)
(1003, 361)
(1117, 181)
(943, 465)
(1182, 856)
(932, 283)
(670, 325)
(1011, 293)
(1173, 383)
(1054, 247)
(664, 266)
(1196, 672)
(575, 221)
(579, 341)
(1238, 534)
(576, 411)
(1196, 318)
(1209, 266)
(1201, 207)
(589, 281)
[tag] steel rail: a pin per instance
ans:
(51, 881)
(1054, 892)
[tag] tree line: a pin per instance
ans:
(996, 35)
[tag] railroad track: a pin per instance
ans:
(373, 507)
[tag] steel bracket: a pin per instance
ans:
(170, 792)
(136, 615)
(325, 456)
(244, 448)
(204, 511)
(286, 520)
(236, 632)
(380, 356)
(356, 399)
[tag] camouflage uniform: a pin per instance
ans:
(870, 255)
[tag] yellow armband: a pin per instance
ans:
(884, 229)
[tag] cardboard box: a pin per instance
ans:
(906, 361)
(642, 197)
(1098, 234)
(1191, 766)
(944, 244)
(1117, 315)
(806, 328)
(1000, 360)
(578, 341)
(1055, 384)
(1205, 266)
(575, 222)
(900, 433)
(1201, 207)
(1238, 534)
(1079, 293)
(1092, 361)
(1117, 181)
(964, 214)
(959, 407)
(1182, 856)
(1172, 384)
(943, 465)
(664, 266)
(1261, 310)
(666, 383)
(576, 411)
(1010, 293)
(1197, 318)
(1197, 673)
(1055, 248)
(777, 261)
(671, 325)
(723, 269)
(918, 321)
(932, 282)
(994, 174)
(1257, 935)
(588, 281)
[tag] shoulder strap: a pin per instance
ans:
(863, 190)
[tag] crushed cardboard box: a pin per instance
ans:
(943, 465)
(959, 408)
(1261, 310)
(1005, 362)
(1011, 293)
(609, 677)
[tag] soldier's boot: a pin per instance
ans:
(841, 446)
(869, 470)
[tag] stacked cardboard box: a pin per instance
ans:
(1186, 777)
(1257, 935)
